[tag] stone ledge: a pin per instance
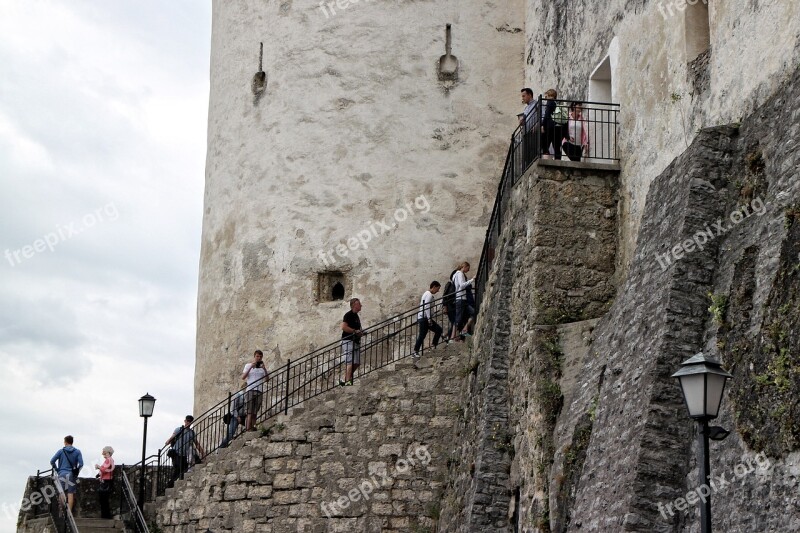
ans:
(578, 165)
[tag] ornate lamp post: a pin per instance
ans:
(702, 380)
(146, 405)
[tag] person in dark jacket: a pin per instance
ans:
(551, 130)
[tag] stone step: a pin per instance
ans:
(98, 525)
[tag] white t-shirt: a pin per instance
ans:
(461, 283)
(425, 304)
(254, 375)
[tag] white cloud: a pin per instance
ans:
(104, 104)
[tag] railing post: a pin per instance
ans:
(286, 396)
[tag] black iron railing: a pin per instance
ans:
(287, 386)
(569, 130)
(59, 510)
(128, 509)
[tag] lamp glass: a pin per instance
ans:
(715, 387)
(693, 387)
(146, 405)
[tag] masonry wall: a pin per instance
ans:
(371, 457)
(588, 431)
(666, 94)
(354, 136)
(554, 263)
(742, 182)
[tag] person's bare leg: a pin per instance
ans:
(71, 501)
(348, 373)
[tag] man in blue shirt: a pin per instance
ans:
(183, 444)
(70, 462)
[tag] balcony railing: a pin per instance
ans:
(569, 130)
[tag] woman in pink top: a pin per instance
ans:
(576, 141)
(106, 482)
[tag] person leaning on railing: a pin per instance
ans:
(351, 341)
(255, 374)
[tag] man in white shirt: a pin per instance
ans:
(464, 312)
(425, 320)
(256, 374)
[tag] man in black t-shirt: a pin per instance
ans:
(351, 341)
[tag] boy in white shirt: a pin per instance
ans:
(425, 320)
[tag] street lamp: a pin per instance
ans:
(702, 380)
(146, 405)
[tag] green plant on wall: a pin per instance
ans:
(718, 308)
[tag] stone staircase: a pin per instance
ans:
(368, 457)
(99, 525)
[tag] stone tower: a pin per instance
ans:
(350, 156)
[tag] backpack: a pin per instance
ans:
(449, 293)
(561, 114)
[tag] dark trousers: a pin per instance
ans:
(553, 133)
(179, 467)
(424, 326)
(106, 489)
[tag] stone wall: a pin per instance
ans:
(594, 432)
(371, 457)
(666, 96)
(740, 186)
(554, 264)
(356, 158)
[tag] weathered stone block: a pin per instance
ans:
(277, 449)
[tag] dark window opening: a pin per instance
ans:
(330, 286)
(337, 293)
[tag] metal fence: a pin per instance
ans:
(287, 386)
(128, 509)
(569, 130)
(59, 510)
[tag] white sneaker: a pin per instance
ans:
(415, 355)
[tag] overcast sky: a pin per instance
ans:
(103, 108)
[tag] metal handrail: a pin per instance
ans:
(599, 121)
(129, 507)
(60, 511)
(289, 385)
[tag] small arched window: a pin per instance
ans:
(331, 286)
(337, 293)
